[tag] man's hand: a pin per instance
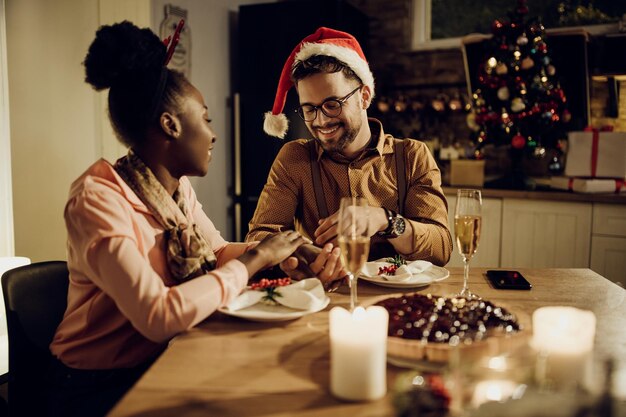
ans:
(310, 260)
(328, 228)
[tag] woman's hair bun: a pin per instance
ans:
(123, 53)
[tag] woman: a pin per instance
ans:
(145, 262)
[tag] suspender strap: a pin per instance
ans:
(400, 174)
(322, 209)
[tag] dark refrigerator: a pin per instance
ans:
(266, 35)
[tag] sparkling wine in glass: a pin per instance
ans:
(467, 224)
(354, 239)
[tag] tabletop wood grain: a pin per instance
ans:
(230, 367)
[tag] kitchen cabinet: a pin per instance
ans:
(608, 242)
(488, 254)
(524, 229)
(545, 234)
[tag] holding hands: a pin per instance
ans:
(310, 260)
(271, 251)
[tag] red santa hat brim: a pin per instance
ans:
(327, 42)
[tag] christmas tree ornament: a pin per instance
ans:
(542, 47)
(522, 40)
(567, 116)
(555, 166)
(471, 122)
(527, 63)
(517, 105)
(506, 119)
(522, 88)
(550, 70)
(539, 152)
(501, 68)
(518, 141)
(496, 27)
(503, 93)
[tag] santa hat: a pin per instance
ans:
(324, 41)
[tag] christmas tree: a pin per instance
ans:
(518, 100)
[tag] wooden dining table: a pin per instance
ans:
(228, 366)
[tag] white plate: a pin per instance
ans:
(432, 274)
(264, 312)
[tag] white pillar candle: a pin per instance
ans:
(564, 337)
(358, 353)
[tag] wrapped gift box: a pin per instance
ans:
(588, 185)
(596, 154)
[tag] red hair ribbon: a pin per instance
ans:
(175, 38)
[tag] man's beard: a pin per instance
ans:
(344, 141)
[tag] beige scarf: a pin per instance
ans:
(188, 253)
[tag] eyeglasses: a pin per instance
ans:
(330, 108)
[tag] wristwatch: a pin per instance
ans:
(395, 225)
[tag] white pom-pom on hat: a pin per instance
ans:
(275, 124)
(325, 41)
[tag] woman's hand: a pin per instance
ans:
(271, 251)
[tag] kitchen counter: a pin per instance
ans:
(550, 195)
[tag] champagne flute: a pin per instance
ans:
(467, 223)
(354, 239)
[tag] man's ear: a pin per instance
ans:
(170, 124)
(366, 97)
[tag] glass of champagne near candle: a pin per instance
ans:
(354, 239)
(467, 224)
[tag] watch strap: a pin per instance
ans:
(391, 215)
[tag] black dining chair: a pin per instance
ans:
(35, 298)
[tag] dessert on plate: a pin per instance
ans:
(429, 327)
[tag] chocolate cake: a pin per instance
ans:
(427, 326)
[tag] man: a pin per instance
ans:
(349, 156)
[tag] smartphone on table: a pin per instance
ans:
(508, 280)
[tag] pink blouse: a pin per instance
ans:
(123, 305)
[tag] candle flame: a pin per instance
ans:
(497, 363)
(494, 393)
(358, 314)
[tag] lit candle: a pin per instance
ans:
(564, 338)
(493, 390)
(358, 353)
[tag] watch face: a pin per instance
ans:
(398, 226)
